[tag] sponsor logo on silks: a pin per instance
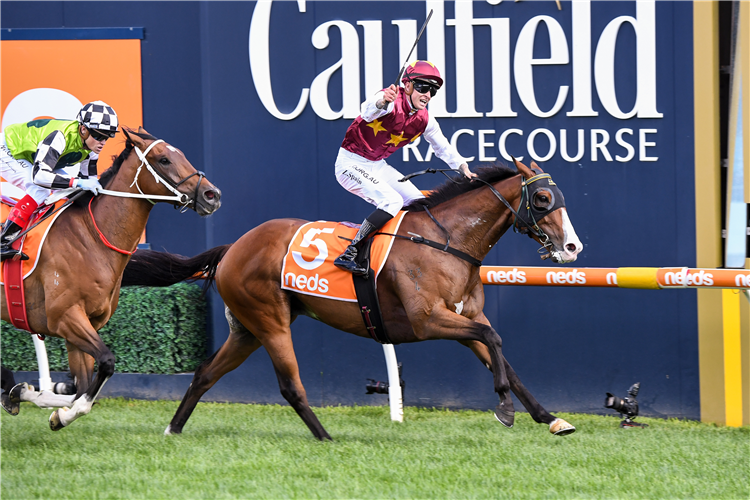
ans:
(574, 277)
(701, 278)
(514, 276)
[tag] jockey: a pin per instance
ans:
(47, 154)
(389, 120)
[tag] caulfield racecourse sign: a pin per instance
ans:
(577, 50)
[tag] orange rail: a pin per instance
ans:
(617, 277)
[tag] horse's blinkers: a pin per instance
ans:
(531, 214)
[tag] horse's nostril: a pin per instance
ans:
(209, 195)
(570, 247)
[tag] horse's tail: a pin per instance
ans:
(151, 268)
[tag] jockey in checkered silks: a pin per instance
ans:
(47, 154)
(389, 120)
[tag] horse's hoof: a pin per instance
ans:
(169, 431)
(560, 427)
(15, 393)
(505, 417)
(8, 405)
(54, 421)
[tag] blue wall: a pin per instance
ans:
(569, 346)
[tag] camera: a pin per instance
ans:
(377, 387)
(627, 406)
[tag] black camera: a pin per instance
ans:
(627, 406)
(377, 387)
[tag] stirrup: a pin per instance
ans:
(347, 261)
(9, 253)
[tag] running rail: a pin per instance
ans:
(654, 278)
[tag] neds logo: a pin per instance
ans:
(571, 277)
(302, 282)
(514, 276)
(701, 278)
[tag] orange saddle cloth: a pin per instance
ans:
(33, 241)
(308, 263)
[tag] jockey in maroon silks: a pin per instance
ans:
(389, 120)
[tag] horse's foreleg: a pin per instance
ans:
(537, 411)
(445, 324)
(81, 367)
(81, 336)
(240, 344)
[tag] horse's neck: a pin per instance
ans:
(121, 220)
(476, 220)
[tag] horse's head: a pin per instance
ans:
(171, 174)
(544, 217)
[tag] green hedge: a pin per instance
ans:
(154, 330)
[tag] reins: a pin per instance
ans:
(533, 227)
(179, 197)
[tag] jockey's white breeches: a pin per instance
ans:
(375, 182)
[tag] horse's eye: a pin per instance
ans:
(541, 200)
(164, 160)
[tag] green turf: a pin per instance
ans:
(244, 451)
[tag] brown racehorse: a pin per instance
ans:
(475, 214)
(75, 287)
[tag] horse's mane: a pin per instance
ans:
(107, 176)
(452, 188)
(117, 162)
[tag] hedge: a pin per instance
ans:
(153, 330)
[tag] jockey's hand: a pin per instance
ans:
(389, 95)
(464, 168)
(89, 185)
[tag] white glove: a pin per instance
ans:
(89, 185)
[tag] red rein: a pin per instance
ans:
(104, 238)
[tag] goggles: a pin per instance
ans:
(98, 136)
(423, 87)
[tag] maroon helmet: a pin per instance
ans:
(423, 70)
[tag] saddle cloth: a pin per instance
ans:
(308, 264)
(33, 241)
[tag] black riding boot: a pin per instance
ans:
(348, 260)
(10, 231)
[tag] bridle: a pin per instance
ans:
(183, 199)
(532, 214)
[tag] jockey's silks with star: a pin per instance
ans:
(389, 120)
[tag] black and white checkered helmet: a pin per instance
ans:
(99, 116)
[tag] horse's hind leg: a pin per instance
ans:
(240, 344)
(281, 350)
(558, 426)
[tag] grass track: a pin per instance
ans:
(256, 451)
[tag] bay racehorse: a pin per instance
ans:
(475, 214)
(75, 287)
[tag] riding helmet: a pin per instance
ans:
(99, 116)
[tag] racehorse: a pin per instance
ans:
(75, 287)
(475, 214)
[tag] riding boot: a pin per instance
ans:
(349, 261)
(17, 221)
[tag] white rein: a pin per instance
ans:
(180, 197)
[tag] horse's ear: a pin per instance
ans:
(130, 134)
(523, 169)
(125, 131)
(534, 166)
(142, 130)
